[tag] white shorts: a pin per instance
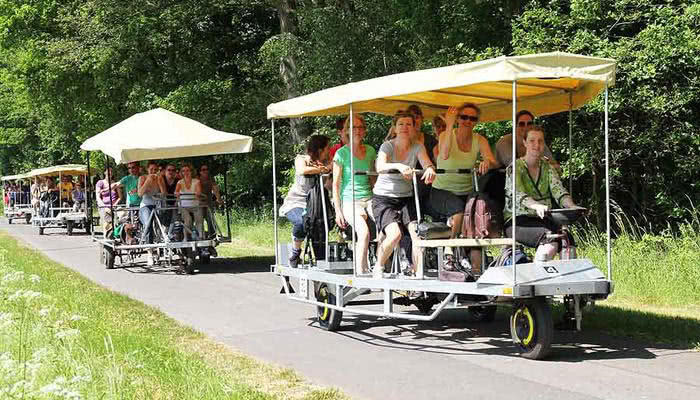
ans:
(363, 209)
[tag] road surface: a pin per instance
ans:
(236, 302)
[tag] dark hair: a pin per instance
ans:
(152, 162)
(340, 124)
(523, 112)
(439, 123)
(472, 106)
(315, 144)
(415, 110)
(534, 128)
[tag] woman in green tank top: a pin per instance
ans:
(459, 149)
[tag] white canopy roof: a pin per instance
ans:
(544, 83)
(13, 177)
(67, 169)
(160, 134)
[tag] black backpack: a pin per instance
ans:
(313, 219)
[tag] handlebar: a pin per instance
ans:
(438, 171)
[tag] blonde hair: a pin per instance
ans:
(361, 117)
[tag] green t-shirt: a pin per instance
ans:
(362, 186)
(130, 183)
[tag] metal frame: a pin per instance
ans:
(65, 214)
(18, 210)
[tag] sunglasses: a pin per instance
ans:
(526, 123)
(468, 118)
(204, 169)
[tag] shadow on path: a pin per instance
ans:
(454, 333)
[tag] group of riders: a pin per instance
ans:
(383, 205)
(45, 194)
(181, 197)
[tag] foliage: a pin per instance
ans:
(70, 69)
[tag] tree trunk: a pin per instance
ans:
(300, 129)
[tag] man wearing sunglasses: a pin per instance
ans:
(129, 185)
(504, 147)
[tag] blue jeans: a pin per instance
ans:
(296, 217)
(146, 218)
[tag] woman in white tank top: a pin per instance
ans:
(188, 191)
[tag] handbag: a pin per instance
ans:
(434, 230)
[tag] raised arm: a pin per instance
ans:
(445, 138)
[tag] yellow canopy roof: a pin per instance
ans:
(160, 134)
(544, 82)
(68, 169)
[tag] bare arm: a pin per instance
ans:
(303, 169)
(445, 139)
(337, 179)
(488, 159)
(429, 173)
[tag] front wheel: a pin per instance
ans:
(69, 227)
(108, 257)
(328, 318)
(9, 221)
(28, 218)
(41, 231)
(531, 328)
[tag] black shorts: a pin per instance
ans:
(530, 230)
(387, 210)
(444, 204)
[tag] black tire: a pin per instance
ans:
(88, 227)
(28, 218)
(69, 227)
(482, 313)
(41, 230)
(205, 259)
(9, 221)
(189, 262)
(531, 328)
(328, 318)
(108, 257)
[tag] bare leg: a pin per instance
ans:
(417, 251)
(362, 231)
(392, 237)
(546, 252)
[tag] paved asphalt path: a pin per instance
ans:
(236, 302)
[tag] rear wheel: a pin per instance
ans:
(531, 328)
(88, 227)
(41, 230)
(69, 227)
(205, 259)
(189, 261)
(28, 218)
(328, 318)
(108, 257)
(9, 221)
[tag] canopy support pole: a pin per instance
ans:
(352, 177)
(571, 144)
(226, 210)
(607, 186)
(109, 191)
(514, 189)
(274, 193)
(88, 200)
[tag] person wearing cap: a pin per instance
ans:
(342, 137)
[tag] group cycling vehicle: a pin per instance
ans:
(498, 89)
(16, 197)
(167, 222)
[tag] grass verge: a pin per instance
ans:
(62, 336)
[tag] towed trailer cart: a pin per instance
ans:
(541, 83)
(160, 134)
(51, 212)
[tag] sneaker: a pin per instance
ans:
(294, 259)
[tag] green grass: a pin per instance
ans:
(62, 336)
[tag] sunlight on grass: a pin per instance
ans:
(62, 336)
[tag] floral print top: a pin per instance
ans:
(548, 187)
